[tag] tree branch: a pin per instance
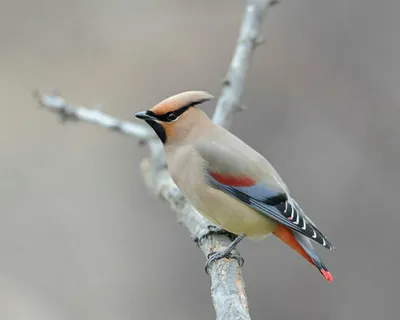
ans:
(67, 112)
(227, 285)
(233, 84)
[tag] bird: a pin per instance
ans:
(227, 181)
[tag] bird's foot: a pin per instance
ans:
(227, 253)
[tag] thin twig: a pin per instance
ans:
(69, 112)
(227, 285)
(233, 84)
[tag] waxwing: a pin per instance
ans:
(227, 181)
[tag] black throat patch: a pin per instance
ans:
(158, 129)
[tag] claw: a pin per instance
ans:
(227, 253)
(215, 256)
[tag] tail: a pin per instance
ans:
(303, 246)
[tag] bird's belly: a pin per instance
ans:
(232, 215)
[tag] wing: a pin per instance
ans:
(227, 171)
(276, 206)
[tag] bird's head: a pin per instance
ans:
(173, 117)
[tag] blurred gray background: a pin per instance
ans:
(81, 238)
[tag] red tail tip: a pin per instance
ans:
(327, 275)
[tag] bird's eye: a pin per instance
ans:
(172, 116)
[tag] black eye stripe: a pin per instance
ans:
(171, 116)
(151, 113)
(175, 114)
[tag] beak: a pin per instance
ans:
(144, 115)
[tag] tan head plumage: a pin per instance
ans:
(180, 100)
(173, 117)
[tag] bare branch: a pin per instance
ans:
(69, 112)
(249, 39)
(227, 285)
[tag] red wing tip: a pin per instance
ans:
(327, 275)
